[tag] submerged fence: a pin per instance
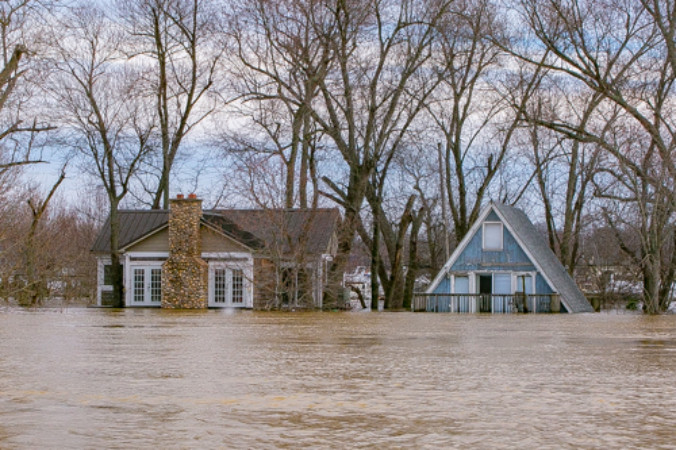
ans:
(488, 303)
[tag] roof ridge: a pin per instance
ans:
(148, 211)
(273, 209)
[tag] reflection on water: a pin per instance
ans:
(150, 378)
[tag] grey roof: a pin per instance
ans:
(277, 230)
(526, 232)
(283, 230)
(133, 225)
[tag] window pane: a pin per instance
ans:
(492, 236)
(524, 284)
(156, 285)
(502, 283)
(219, 285)
(462, 285)
(139, 278)
(237, 286)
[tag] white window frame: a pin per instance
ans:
(243, 265)
(483, 237)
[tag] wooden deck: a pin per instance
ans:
(486, 303)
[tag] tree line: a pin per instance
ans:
(407, 114)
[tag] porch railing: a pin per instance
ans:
(486, 303)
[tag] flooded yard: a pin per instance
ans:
(91, 378)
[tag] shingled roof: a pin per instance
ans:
(276, 230)
(551, 267)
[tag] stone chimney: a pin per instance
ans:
(185, 273)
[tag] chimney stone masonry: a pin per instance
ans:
(185, 273)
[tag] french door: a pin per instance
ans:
(226, 286)
(146, 286)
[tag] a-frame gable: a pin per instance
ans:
(524, 247)
(492, 211)
(489, 213)
(460, 248)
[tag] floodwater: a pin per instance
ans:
(91, 378)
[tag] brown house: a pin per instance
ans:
(190, 258)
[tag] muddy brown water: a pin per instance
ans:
(88, 378)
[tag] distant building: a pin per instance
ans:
(503, 265)
(359, 284)
(189, 258)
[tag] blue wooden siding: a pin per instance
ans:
(473, 258)
(511, 258)
(441, 304)
(444, 286)
(541, 286)
(492, 217)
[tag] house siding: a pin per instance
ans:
(475, 259)
(265, 281)
(541, 285)
(215, 242)
(211, 242)
(492, 217)
(444, 286)
(158, 242)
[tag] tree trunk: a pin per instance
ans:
(352, 202)
(412, 272)
(116, 269)
(375, 265)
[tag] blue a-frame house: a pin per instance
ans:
(504, 265)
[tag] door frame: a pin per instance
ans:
(229, 267)
(147, 268)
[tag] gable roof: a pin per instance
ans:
(278, 230)
(537, 250)
(134, 224)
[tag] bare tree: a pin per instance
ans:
(381, 79)
(278, 62)
(663, 13)
(18, 123)
(36, 279)
(564, 168)
(478, 108)
(104, 116)
(178, 37)
(611, 49)
(358, 72)
(45, 246)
